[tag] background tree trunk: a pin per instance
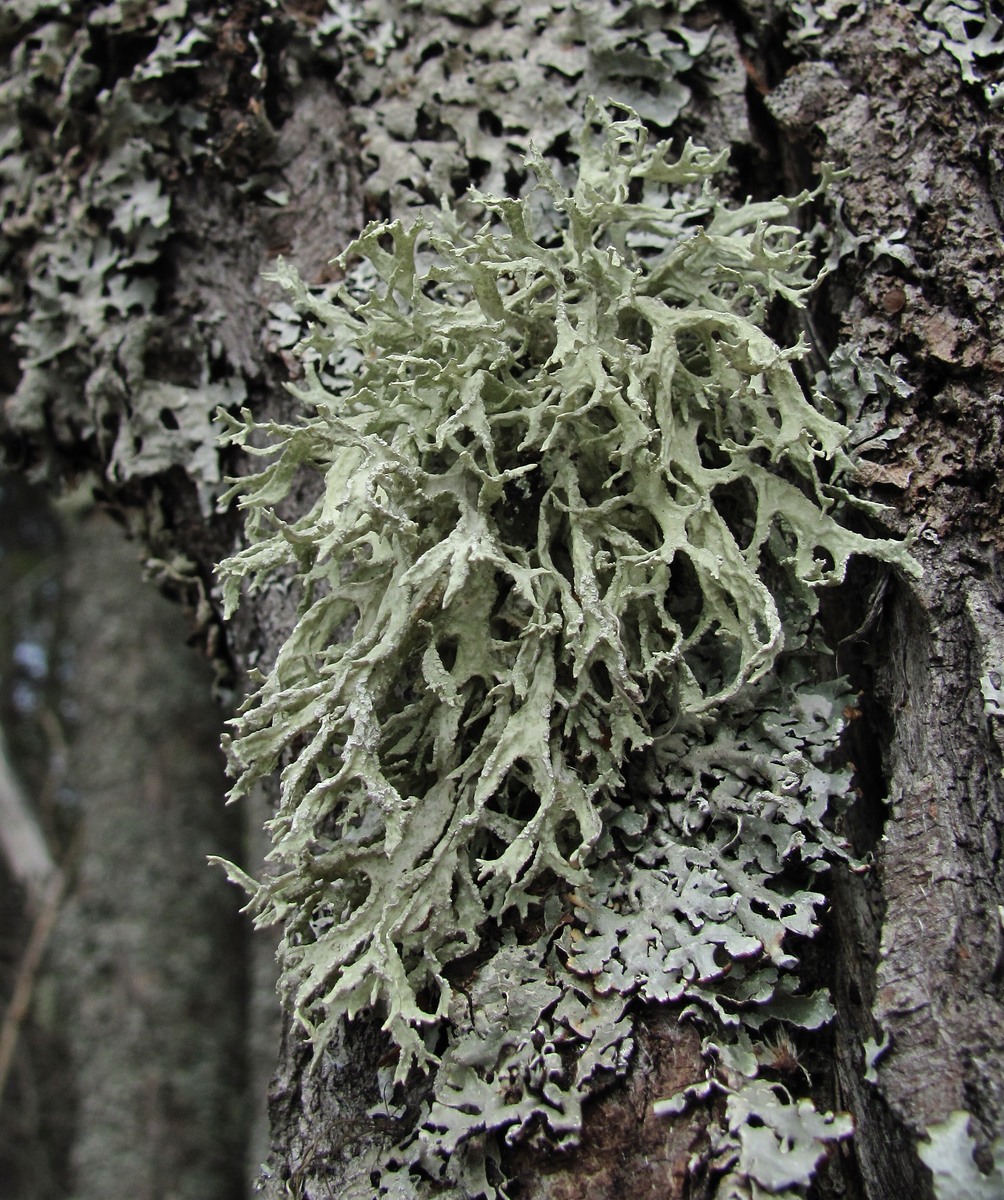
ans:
(254, 145)
(134, 1043)
(149, 955)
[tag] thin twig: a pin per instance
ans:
(22, 841)
(24, 983)
(31, 864)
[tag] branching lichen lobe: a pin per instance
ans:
(575, 510)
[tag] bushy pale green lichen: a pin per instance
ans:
(548, 734)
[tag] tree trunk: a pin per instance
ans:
(259, 139)
(148, 953)
(919, 960)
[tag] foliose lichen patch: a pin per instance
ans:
(98, 116)
(447, 93)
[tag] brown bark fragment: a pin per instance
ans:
(626, 1149)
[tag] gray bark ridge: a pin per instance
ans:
(882, 99)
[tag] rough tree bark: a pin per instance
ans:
(913, 948)
(919, 942)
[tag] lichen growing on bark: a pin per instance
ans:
(549, 737)
(444, 93)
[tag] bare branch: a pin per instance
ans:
(21, 839)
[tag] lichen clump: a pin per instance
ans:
(539, 723)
